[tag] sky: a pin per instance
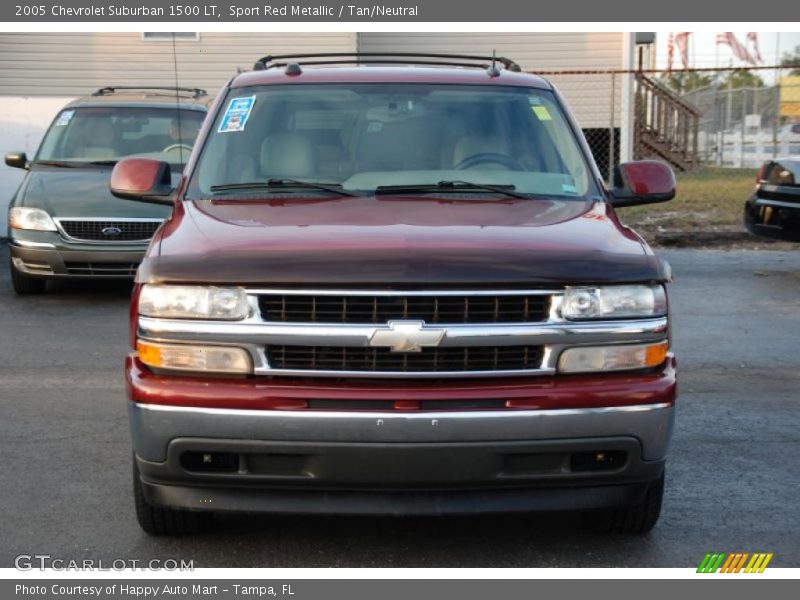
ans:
(703, 49)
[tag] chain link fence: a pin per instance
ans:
(714, 126)
(728, 118)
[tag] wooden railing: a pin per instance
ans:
(666, 126)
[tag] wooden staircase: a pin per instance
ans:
(666, 127)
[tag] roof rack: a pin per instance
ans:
(194, 92)
(451, 60)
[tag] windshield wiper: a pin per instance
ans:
(111, 162)
(449, 186)
(58, 163)
(282, 184)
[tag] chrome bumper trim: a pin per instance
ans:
(27, 244)
(154, 426)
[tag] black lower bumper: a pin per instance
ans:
(399, 478)
(411, 503)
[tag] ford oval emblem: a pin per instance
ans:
(112, 231)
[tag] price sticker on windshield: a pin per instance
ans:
(236, 115)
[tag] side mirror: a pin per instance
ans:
(142, 179)
(642, 182)
(18, 160)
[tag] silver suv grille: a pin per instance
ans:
(370, 360)
(112, 230)
(380, 309)
(373, 333)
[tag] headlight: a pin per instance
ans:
(613, 302)
(36, 219)
(212, 359)
(193, 302)
(612, 358)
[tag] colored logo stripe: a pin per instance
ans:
(735, 562)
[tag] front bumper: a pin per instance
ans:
(48, 256)
(395, 462)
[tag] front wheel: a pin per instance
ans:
(162, 520)
(635, 519)
(24, 285)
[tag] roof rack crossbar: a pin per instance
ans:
(357, 57)
(110, 89)
(383, 62)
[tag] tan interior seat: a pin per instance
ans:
(99, 140)
(288, 155)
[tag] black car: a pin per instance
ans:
(63, 221)
(773, 211)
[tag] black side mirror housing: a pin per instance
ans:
(18, 160)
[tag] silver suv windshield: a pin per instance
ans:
(107, 134)
(391, 137)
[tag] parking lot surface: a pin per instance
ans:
(732, 475)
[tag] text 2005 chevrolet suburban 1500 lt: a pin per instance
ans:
(393, 289)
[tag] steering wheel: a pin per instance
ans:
(490, 157)
(172, 147)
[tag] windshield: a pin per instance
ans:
(370, 138)
(107, 134)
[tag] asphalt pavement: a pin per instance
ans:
(733, 482)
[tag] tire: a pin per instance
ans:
(635, 519)
(25, 286)
(162, 520)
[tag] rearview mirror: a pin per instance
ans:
(142, 179)
(642, 182)
(18, 160)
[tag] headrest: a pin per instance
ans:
(289, 155)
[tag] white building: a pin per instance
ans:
(40, 72)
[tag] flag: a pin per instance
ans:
(752, 39)
(682, 41)
(737, 48)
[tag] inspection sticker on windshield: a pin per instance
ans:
(237, 114)
(542, 113)
(64, 118)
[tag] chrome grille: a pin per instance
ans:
(378, 309)
(115, 230)
(440, 360)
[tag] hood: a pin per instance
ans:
(80, 192)
(398, 241)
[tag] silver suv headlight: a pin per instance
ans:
(193, 302)
(21, 217)
(613, 302)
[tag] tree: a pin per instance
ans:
(684, 82)
(741, 78)
(792, 59)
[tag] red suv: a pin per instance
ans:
(397, 288)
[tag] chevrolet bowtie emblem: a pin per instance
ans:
(406, 336)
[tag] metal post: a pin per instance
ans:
(628, 117)
(744, 119)
(611, 131)
(777, 120)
